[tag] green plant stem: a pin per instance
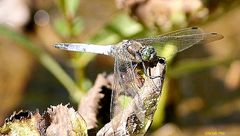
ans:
(193, 65)
(46, 60)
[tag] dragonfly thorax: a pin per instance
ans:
(140, 52)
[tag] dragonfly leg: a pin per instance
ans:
(144, 69)
(153, 77)
(145, 72)
(160, 60)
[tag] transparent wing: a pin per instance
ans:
(182, 39)
(125, 90)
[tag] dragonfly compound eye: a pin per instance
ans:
(148, 53)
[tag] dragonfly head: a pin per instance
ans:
(148, 53)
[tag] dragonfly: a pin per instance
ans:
(134, 61)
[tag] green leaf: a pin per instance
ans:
(69, 7)
(168, 51)
(72, 6)
(77, 26)
(61, 4)
(126, 25)
(61, 26)
(106, 36)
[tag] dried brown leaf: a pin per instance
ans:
(90, 104)
(57, 120)
(65, 121)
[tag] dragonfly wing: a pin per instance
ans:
(125, 90)
(182, 39)
(150, 93)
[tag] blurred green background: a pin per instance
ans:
(202, 88)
